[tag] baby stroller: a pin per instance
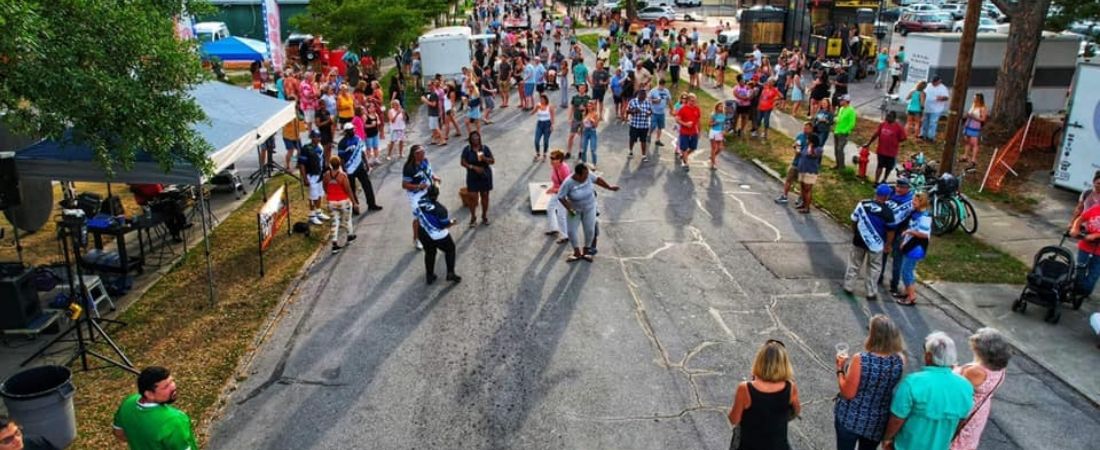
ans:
(1051, 282)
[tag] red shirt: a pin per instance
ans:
(677, 51)
(767, 98)
(1091, 221)
(890, 136)
(143, 193)
(689, 113)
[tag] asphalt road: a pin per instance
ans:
(641, 349)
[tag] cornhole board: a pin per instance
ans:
(539, 197)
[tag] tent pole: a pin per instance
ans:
(205, 209)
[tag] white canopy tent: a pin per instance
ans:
(238, 121)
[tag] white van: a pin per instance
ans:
(445, 51)
(211, 31)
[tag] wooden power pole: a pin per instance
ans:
(961, 83)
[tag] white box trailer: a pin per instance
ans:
(931, 54)
(1079, 156)
(445, 51)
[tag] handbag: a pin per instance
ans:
(964, 422)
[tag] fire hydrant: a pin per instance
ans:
(864, 158)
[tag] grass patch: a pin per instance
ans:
(592, 41)
(953, 257)
(174, 325)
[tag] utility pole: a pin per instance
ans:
(961, 83)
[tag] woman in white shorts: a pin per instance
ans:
(717, 133)
(398, 118)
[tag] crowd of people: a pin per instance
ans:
(944, 405)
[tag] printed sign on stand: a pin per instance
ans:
(270, 219)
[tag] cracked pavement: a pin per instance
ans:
(641, 349)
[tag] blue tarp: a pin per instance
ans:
(238, 121)
(235, 48)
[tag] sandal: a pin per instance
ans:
(485, 221)
(551, 233)
(905, 302)
(573, 258)
(803, 210)
(561, 241)
(587, 258)
(473, 224)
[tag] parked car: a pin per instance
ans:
(922, 22)
(890, 15)
(922, 8)
(688, 3)
(657, 13)
(957, 10)
(985, 25)
(993, 12)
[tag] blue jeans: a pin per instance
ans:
(588, 141)
(847, 440)
(542, 131)
(1088, 271)
(929, 125)
(765, 118)
(908, 271)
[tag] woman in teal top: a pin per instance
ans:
(915, 108)
(717, 133)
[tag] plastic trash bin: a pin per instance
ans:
(41, 400)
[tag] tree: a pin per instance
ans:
(112, 72)
(380, 26)
(1028, 18)
(631, 9)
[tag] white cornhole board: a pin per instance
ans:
(539, 197)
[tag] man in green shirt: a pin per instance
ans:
(929, 404)
(845, 123)
(145, 420)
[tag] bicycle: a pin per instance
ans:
(951, 209)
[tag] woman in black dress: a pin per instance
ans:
(762, 406)
(478, 161)
(819, 91)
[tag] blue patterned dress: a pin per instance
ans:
(867, 412)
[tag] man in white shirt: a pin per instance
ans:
(757, 54)
(935, 104)
(647, 33)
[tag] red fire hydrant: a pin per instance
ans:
(864, 158)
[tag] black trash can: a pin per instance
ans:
(41, 400)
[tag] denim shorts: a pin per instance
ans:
(371, 142)
(657, 122)
(689, 142)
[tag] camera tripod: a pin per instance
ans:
(72, 234)
(270, 168)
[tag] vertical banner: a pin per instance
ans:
(273, 35)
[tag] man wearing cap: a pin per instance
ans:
(901, 204)
(935, 103)
(845, 123)
(310, 165)
(351, 151)
(840, 84)
(872, 237)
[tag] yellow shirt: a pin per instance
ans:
(345, 106)
(293, 130)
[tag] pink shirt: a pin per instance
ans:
(360, 129)
(558, 175)
(308, 99)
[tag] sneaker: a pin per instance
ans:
(753, 134)
(324, 217)
(660, 144)
(431, 278)
(374, 208)
(782, 200)
(335, 248)
(454, 278)
(872, 298)
(631, 154)
(315, 220)
(419, 246)
(645, 159)
(351, 237)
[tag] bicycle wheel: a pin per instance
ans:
(968, 218)
(943, 217)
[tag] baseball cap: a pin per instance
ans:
(902, 181)
(937, 78)
(314, 134)
(845, 98)
(349, 127)
(883, 190)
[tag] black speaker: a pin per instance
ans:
(18, 300)
(9, 181)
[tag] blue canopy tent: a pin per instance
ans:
(235, 48)
(238, 121)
